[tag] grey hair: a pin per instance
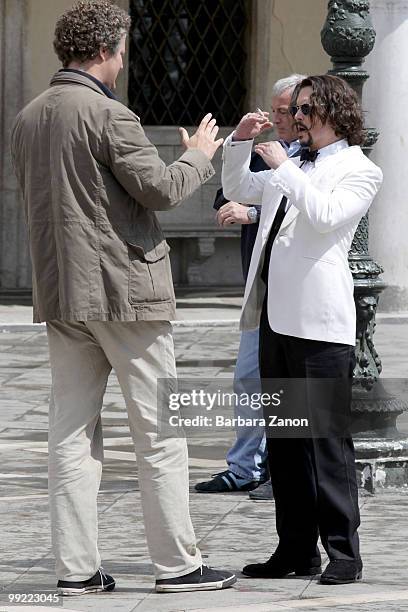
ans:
(289, 82)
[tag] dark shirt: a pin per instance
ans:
(248, 232)
(99, 83)
(276, 225)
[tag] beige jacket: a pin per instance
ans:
(91, 182)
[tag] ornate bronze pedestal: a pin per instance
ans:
(348, 36)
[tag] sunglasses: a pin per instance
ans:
(305, 109)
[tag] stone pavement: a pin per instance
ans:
(231, 529)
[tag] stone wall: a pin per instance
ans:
(26, 63)
(14, 261)
(283, 38)
(202, 254)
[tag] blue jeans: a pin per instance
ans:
(247, 458)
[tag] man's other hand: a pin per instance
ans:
(251, 125)
(232, 212)
(272, 153)
(204, 137)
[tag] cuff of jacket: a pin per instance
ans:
(243, 145)
(198, 159)
(286, 176)
(242, 150)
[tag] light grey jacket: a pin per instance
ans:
(91, 182)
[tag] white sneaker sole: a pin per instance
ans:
(67, 592)
(204, 586)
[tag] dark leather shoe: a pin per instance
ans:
(341, 571)
(278, 567)
(264, 491)
(226, 482)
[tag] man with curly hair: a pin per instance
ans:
(300, 292)
(92, 182)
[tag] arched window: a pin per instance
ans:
(187, 57)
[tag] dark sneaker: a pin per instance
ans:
(264, 491)
(202, 579)
(342, 571)
(99, 582)
(278, 567)
(226, 482)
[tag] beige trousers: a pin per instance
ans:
(82, 356)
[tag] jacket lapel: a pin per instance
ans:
(289, 217)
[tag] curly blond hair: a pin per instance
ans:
(87, 27)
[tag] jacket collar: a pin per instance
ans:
(331, 149)
(67, 77)
(336, 148)
(108, 93)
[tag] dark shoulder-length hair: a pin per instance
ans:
(333, 100)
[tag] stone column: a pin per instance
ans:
(123, 79)
(260, 51)
(15, 272)
(386, 95)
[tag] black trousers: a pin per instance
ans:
(313, 479)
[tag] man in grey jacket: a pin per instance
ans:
(91, 182)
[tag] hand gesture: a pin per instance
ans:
(204, 137)
(272, 153)
(232, 212)
(251, 125)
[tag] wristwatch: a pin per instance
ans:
(252, 214)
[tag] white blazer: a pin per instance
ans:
(310, 286)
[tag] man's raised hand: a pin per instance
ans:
(251, 125)
(272, 153)
(204, 137)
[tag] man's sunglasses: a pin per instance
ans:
(305, 109)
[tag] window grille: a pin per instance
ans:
(187, 58)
